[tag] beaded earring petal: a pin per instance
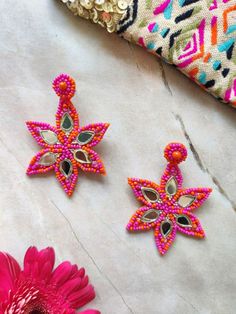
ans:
(167, 208)
(67, 146)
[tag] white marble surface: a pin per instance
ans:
(148, 105)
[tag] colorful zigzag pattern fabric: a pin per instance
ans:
(197, 36)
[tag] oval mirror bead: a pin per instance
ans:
(82, 156)
(150, 194)
(66, 167)
(183, 221)
(47, 159)
(66, 123)
(85, 137)
(150, 216)
(49, 136)
(186, 200)
(166, 227)
(171, 186)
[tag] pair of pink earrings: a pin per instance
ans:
(66, 148)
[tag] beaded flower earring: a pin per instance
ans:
(66, 147)
(168, 207)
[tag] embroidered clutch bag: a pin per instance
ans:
(197, 36)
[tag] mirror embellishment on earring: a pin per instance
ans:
(67, 147)
(167, 207)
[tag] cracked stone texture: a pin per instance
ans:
(148, 105)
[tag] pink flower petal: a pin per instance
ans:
(68, 182)
(136, 224)
(99, 129)
(200, 195)
(74, 286)
(194, 230)
(95, 165)
(36, 127)
(138, 185)
(39, 264)
(62, 273)
(36, 167)
(82, 296)
(9, 272)
(171, 170)
(70, 286)
(163, 243)
(66, 107)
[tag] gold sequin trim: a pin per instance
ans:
(107, 13)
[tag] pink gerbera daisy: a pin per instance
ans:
(38, 289)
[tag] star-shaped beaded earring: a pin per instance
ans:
(168, 207)
(66, 147)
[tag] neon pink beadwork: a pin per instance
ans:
(64, 86)
(168, 207)
(66, 147)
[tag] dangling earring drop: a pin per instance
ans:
(167, 208)
(66, 148)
